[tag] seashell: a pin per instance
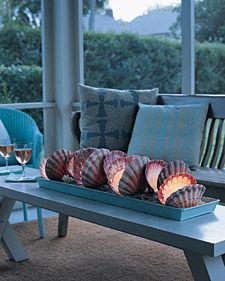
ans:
(172, 168)
(93, 173)
(133, 179)
(42, 168)
(56, 164)
(114, 171)
(173, 183)
(153, 168)
(111, 156)
(186, 197)
(76, 163)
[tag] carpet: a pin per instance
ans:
(91, 253)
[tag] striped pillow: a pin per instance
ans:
(169, 132)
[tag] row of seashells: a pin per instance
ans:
(172, 182)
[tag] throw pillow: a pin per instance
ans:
(108, 115)
(169, 132)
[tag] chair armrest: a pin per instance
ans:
(37, 149)
(75, 125)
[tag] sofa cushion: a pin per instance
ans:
(108, 115)
(169, 132)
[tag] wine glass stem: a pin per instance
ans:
(23, 170)
(7, 164)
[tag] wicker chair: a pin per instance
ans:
(22, 128)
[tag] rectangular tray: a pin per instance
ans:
(149, 207)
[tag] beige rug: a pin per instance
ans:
(92, 253)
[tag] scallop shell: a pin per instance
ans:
(114, 171)
(93, 173)
(76, 163)
(56, 164)
(153, 168)
(172, 168)
(111, 156)
(186, 197)
(173, 183)
(133, 179)
(42, 168)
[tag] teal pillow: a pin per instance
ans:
(169, 132)
(108, 115)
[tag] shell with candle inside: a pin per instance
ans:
(76, 163)
(93, 174)
(186, 197)
(172, 168)
(174, 183)
(56, 164)
(126, 174)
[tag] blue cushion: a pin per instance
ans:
(169, 132)
(108, 115)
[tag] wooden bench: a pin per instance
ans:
(211, 170)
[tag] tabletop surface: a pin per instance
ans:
(204, 234)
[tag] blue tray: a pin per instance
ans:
(149, 207)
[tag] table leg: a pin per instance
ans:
(8, 237)
(62, 225)
(205, 268)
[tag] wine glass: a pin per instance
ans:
(23, 152)
(6, 150)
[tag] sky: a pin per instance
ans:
(127, 10)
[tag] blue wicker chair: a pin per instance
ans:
(22, 128)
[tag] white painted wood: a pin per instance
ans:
(63, 225)
(203, 247)
(48, 74)
(185, 235)
(62, 68)
(8, 238)
(29, 105)
(188, 47)
(12, 245)
(205, 268)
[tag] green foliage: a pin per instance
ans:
(100, 4)
(20, 45)
(21, 83)
(6, 96)
(210, 68)
(110, 60)
(27, 12)
(210, 24)
(134, 62)
(23, 12)
(209, 21)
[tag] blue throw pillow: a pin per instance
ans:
(108, 115)
(169, 132)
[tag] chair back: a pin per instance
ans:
(21, 127)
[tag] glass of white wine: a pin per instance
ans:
(6, 151)
(23, 152)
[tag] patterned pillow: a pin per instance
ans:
(108, 115)
(169, 132)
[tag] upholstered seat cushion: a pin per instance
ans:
(108, 115)
(169, 132)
